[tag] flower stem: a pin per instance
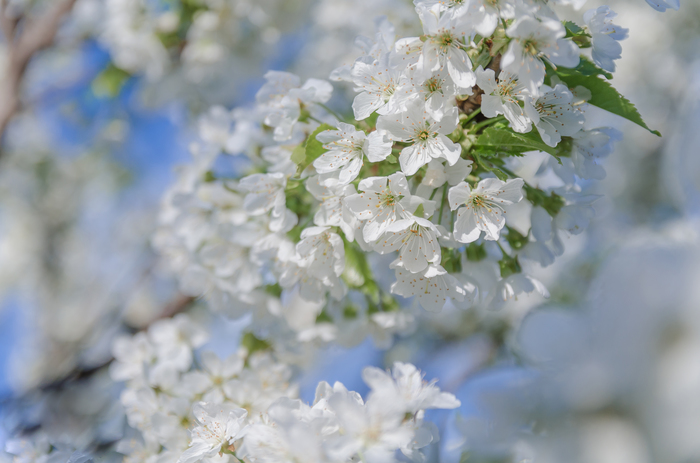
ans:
(481, 124)
(333, 113)
(314, 119)
(474, 113)
(442, 203)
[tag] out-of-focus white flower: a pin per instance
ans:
(406, 383)
(605, 36)
(431, 287)
(534, 38)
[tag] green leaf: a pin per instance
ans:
(253, 343)
(357, 273)
(306, 153)
(323, 317)
(299, 154)
(516, 239)
(509, 141)
(573, 29)
(585, 67)
(605, 97)
(420, 211)
(509, 266)
(499, 41)
(451, 260)
(550, 203)
(577, 34)
(475, 252)
(110, 81)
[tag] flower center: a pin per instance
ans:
(530, 46)
(478, 201)
(388, 200)
(432, 85)
(444, 41)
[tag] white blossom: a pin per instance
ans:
(347, 148)
(406, 383)
(382, 201)
(283, 98)
(533, 39)
(482, 209)
(503, 97)
(416, 239)
(605, 36)
(442, 49)
(427, 136)
(218, 426)
(431, 287)
(376, 80)
(553, 114)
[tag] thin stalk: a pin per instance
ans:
(314, 119)
(337, 116)
(442, 203)
(481, 124)
(505, 254)
(475, 113)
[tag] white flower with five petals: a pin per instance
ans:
(427, 136)
(503, 97)
(347, 148)
(553, 114)
(416, 239)
(431, 287)
(218, 426)
(481, 209)
(383, 201)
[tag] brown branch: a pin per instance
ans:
(473, 101)
(33, 37)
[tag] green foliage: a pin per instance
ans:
(358, 274)
(550, 203)
(188, 9)
(475, 252)
(603, 94)
(350, 312)
(420, 211)
(323, 317)
(499, 41)
(585, 67)
(254, 344)
(511, 142)
(577, 34)
(451, 260)
(274, 290)
(110, 81)
(515, 239)
(509, 266)
(306, 153)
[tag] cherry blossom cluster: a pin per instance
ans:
(246, 406)
(190, 42)
(438, 148)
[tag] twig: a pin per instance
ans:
(34, 36)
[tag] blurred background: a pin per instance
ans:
(609, 365)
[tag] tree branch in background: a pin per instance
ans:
(23, 43)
